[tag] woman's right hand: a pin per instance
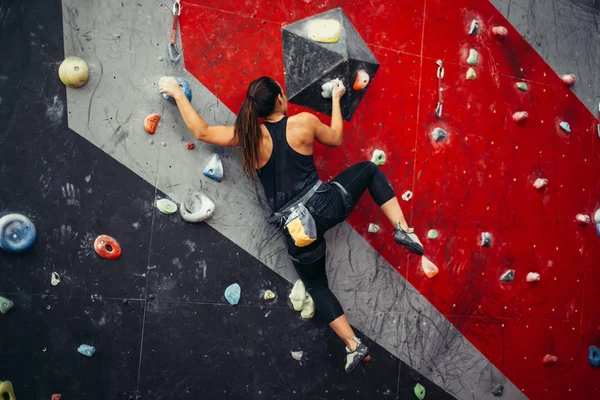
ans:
(338, 90)
(168, 85)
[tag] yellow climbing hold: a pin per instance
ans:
(471, 74)
(324, 30)
(7, 388)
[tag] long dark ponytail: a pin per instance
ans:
(261, 97)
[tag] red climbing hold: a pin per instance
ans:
(56, 396)
(190, 146)
(500, 32)
(107, 247)
(367, 358)
(569, 80)
(549, 359)
(151, 123)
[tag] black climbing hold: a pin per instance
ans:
(151, 297)
(125, 301)
(309, 64)
(44, 296)
(497, 390)
(486, 239)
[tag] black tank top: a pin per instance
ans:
(287, 173)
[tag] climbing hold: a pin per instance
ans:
(549, 359)
(439, 134)
(433, 234)
(56, 396)
(361, 81)
(297, 355)
(497, 390)
(520, 117)
(597, 221)
(232, 294)
(324, 30)
(297, 295)
(197, 208)
(486, 239)
(474, 29)
(166, 206)
(17, 233)
(184, 85)
(419, 391)
(583, 219)
(214, 169)
(471, 74)
(54, 279)
(508, 276)
(500, 32)
(6, 387)
(569, 80)
(5, 305)
(327, 87)
(269, 295)
(151, 123)
(86, 350)
(190, 146)
(407, 195)
(429, 268)
(594, 356)
(308, 307)
(373, 228)
(540, 183)
(73, 72)
(522, 86)
(378, 157)
(107, 247)
(533, 277)
(565, 126)
(473, 57)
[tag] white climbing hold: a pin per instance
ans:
(433, 234)
(327, 88)
(565, 126)
(540, 183)
(533, 277)
(269, 295)
(214, 169)
(324, 30)
(373, 228)
(471, 74)
(522, 86)
(520, 117)
(486, 239)
(474, 29)
(54, 279)
(197, 208)
(508, 276)
(297, 355)
(473, 57)
(583, 219)
(378, 157)
(500, 32)
(407, 195)
(308, 307)
(597, 221)
(297, 295)
(569, 79)
(166, 206)
(439, 134)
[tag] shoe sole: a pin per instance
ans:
(358, 362)
(413, 247)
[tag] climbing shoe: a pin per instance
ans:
(356, 356)
(409, 240)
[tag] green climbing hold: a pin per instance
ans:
(378, 157)
(433, 234)
(166, 206)
(522, 86)
(419, 391)
(5, 305)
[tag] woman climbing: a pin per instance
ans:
(279, 150)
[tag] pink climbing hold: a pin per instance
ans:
(540, 183)
(533, 277)
(549, 359)
(429, 268)
(583, 219)
(500, 32)
(520, 117)
(569, 80)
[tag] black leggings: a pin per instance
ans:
(329, 207)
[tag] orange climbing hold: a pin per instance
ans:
(361, 81)
(190, 146)
(429, 268)
(500, 32)
(107, 247)
(549, 359)
(569, 80)
(151, 123)
(56, 396)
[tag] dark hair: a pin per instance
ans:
(260, 102)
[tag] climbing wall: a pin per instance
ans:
(480, 179)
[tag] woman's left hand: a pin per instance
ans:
(169, 85)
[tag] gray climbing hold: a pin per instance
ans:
(497, 390)
(327, 88)
(374, 228)
(214, 169)
(471, 74)
(522, 86)
(486, 239)
(86, 350)
(297, 355)
(597, 221)
(565, 126)
(473, 57)
(508, 276)
(433, 234)
(54, 279)
(197, 208)
(233, 293)
(166, 206)
(378, 157)
(5, 305)
(406, 196)
(474, 29)
(439, 134)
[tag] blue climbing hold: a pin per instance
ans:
(184, 85)
(86, 350)
(594, 356)
(232, 294)
(214, 169)
(17, 233)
